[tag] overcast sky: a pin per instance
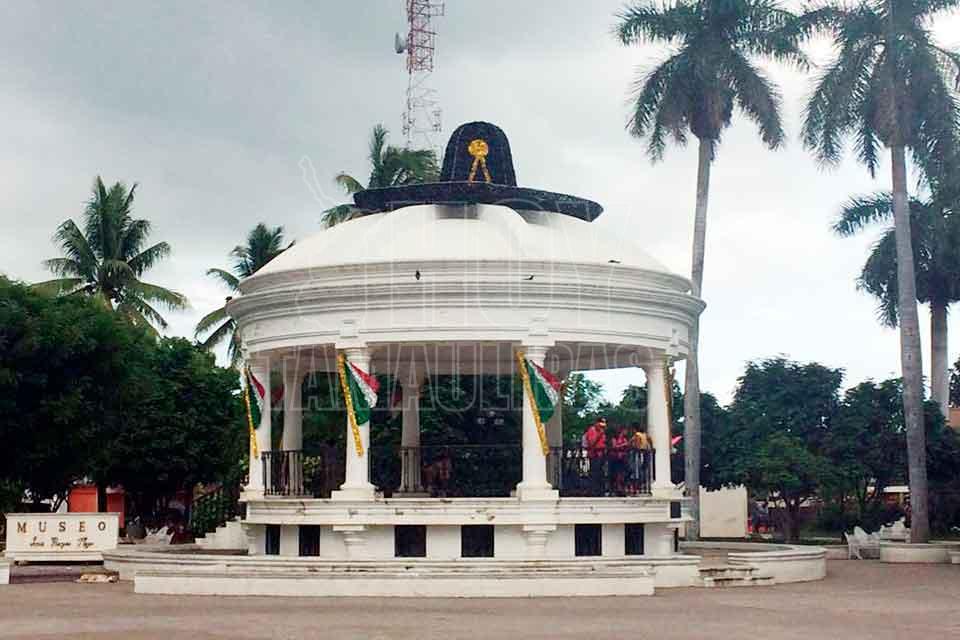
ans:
(210, 107)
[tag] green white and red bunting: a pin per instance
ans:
(256, 391)
(360, 395)
(363, 392)
(546, 389)
(542, 389)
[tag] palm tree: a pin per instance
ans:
(935, 234)
(106, 259)
(710, 71)
(389, 167)
(263, 245)
(887, 87)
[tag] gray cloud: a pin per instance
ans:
(211, 107)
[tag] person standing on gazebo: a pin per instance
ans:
(596, 437)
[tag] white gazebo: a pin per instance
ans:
(436, 289)
(464, 276)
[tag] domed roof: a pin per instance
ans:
(474, 233)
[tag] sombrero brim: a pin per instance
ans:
(390, 198)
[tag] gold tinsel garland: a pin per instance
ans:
(525, 376)
(254, 451)
(348, 398)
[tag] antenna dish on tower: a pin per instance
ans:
(399, 44)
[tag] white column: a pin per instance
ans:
(658, 424)
(292, 406)
(356, 485)
(410, 480)
(260, 368)
(534, 485)
(293, 425)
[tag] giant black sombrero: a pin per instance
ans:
(477, 169)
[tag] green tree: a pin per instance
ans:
(710, 72)
(62, 366)
(866, 444)
(263, 244)
(888, 86)
(935, 234)
(183, 424)
(107, 258)
(390, 166)
(775, 442)
(582, 398)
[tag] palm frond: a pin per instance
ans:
(214, 317)
(757, 98)
(651, 21)
(132, 238)
(348, 182)
(231, 281)
(154, 293)
(149, 257)
(860, 212)
(378, 140)
(831, 111)
(340, 213)
(223, 332)
(76, 247)
(879, 278)
(59, 286)
(141, 314)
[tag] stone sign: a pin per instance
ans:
(60, 536)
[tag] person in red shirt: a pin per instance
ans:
(596, 440)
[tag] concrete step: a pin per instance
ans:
(226, 536)
(954, 557)
(751, 581)
(732, 576)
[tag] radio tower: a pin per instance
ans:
(421, 118)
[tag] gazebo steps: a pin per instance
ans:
(732, 576)
(461, 579)
(227, 536)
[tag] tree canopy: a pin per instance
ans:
(107, 257)
(390, 166)
(263, 244)
(85, 394)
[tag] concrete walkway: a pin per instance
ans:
(858, 600)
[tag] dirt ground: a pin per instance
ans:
(858, 600)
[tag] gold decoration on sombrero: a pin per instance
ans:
(478, 149)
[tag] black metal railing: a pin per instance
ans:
(214, 508)
(463, 470)
(293, 473)
(283, 473)
(596, 472)
(448, 471)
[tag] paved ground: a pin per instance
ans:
(858, 600)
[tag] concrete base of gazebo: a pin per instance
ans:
(477, 578)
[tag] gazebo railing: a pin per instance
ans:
(463, 470)
(598, 472)
(283, 473)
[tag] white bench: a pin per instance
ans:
(862, 545)
(898, 531)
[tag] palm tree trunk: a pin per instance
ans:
(939, 364)
(910, 357)
(691, 387)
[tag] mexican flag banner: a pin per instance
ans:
(543, 392)
(360, 394)
(253, 387)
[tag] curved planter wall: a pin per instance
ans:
(782, 563)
